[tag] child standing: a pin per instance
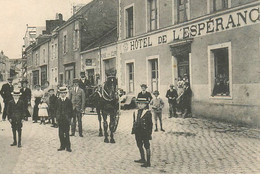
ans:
(157, 104)
(43, 112)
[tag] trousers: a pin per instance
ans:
(77, 117)
(64, 128)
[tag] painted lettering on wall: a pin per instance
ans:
(233, 20)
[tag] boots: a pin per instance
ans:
(142, 160)
(156, 130)
(148, 162)
(161, 127)
(14, 137)
(19, 138)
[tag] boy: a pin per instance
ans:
(172, 95)
(64, 113)
(52, 107)
(16, 114)
(143, 131)
(157, 104)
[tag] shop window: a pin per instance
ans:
(220, 5)
(129, 22)
(221, 85)
(130, 77)
(154, 74)
(152, 7)
(182, 10)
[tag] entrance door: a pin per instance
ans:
(183, 65)
(91, 78)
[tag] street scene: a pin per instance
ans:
(129, 86)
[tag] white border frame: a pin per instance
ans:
(210, 56)
(126, 73)
(125, 25)
(147, 72)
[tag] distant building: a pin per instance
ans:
(4, 67)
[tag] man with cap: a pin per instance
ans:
(77, 96)
(172, 95)
(143, 126)
(145, 94)
(5, 92)
(26, 97)
(83, 82)
(16, 113)
(63, 113)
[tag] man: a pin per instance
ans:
(77, 96)
(64, 112)
(16, 113)
(143, 131)
(145, 94)
(5, 92)
(186, 102)
(26, 97)
(83, 82)
(172, 95)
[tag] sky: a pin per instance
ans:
(15, 14)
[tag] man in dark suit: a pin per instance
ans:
(172, 95)
(77, 96)
(83, 82)
(5, 92)
(143, 131)
(16, 114)
(145, 94)
(186, 102)
(63, 114)
(26, 97)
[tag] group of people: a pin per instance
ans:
(63, 109)
(148, 106)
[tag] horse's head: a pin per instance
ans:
(111, 87)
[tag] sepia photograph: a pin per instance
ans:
(130, 87)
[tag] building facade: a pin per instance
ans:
(216, 43)
(4, 67)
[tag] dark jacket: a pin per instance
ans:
(84, 85)
(16, 111)
(6, 92)
(53, 102)
(64, 111)
(172, 96)
(26, 95)
(144, 123)
(186, 97)
(146, 95)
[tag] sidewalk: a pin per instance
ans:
(187, 146)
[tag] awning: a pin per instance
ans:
(180, 47)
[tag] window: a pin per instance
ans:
(182, 10)
(43, 55)
(154, 74)
(76, 37)
(43, 74)
(221, 84)
(220, 5)
(130, 77)
(36, 59)
(56, 73)
(64, 43)
(53, 51)
(152, 6)
(129, 22)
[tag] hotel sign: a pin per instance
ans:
(240, 18)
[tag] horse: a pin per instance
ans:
(106, 102)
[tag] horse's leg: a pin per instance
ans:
(99, 120)
(105, 125)
(111, 127)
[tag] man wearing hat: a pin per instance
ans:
(83, 82)
(16, 113)
(143, 126)
(64, 112)
(172, 95)
(5, 92)
(26, 97)
(77, 96)
(145, 94)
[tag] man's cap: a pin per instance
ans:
(143, 85)
(16, 92)
(24, 81)
(75, 80)
(82, 72)
(10, 78)
(156, 92)
(171, 85)
(142, 100)
(50, 90)
(63, 89)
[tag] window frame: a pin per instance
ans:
(127, 80)
(127, 22)
(211, 68)
(149, 14)
(149, 72)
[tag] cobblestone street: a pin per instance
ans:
(187, 146)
